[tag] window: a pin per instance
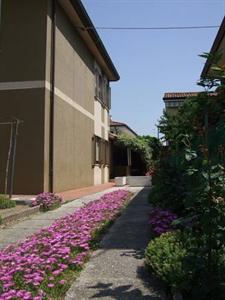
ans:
(100, 151)
(102, 89)
(97, 150)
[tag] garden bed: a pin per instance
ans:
(45, 264)
(15, 213)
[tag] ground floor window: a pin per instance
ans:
(100, 151)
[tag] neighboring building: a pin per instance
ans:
(123, 160)
(218, 46)
(175, 100)
(121, 128)
(54, 76)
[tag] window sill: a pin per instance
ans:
(96, 165)
(100, 165)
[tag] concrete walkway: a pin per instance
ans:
(22, 229)
(116, 271)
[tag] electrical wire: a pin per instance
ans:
(148, 28)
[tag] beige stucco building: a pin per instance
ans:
(54, 76)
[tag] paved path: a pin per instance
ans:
(71, 194)
(22, 229)
(116, 271)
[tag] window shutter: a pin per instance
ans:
(107, 153)
(98, 150)
(102, 151)
(109, 97)
(101, 87)
(105, 89)
(93, 150)
(96, 82)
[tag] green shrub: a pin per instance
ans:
(0, 224)
(5, 202)
(165, 256)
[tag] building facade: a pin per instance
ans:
(55, 77)
(173, 101)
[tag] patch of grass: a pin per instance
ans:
(5, 202)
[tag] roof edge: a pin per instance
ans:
(215, 46)
(181, 96)
(83, 15)
(123, 124)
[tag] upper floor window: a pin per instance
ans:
(102, 88)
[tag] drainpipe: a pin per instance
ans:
(52, 98)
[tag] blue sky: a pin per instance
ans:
(151, 63)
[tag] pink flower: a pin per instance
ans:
(49, 252)
(62, 281)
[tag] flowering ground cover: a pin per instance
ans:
(44, 265)
(47, 201)
(161, 220)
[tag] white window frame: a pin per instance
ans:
(97, 150)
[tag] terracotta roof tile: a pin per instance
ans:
(182, 95)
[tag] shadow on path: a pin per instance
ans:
(120, 292)
(116, 270)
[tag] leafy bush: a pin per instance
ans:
(5, 202)
(47, 201)
(165, 256)
(190, 180)
(168, 184)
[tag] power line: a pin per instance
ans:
(149, 28)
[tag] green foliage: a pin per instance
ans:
(146, 146)
(5, 202)
(168, 185)
(190, 179)
(165, 256)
